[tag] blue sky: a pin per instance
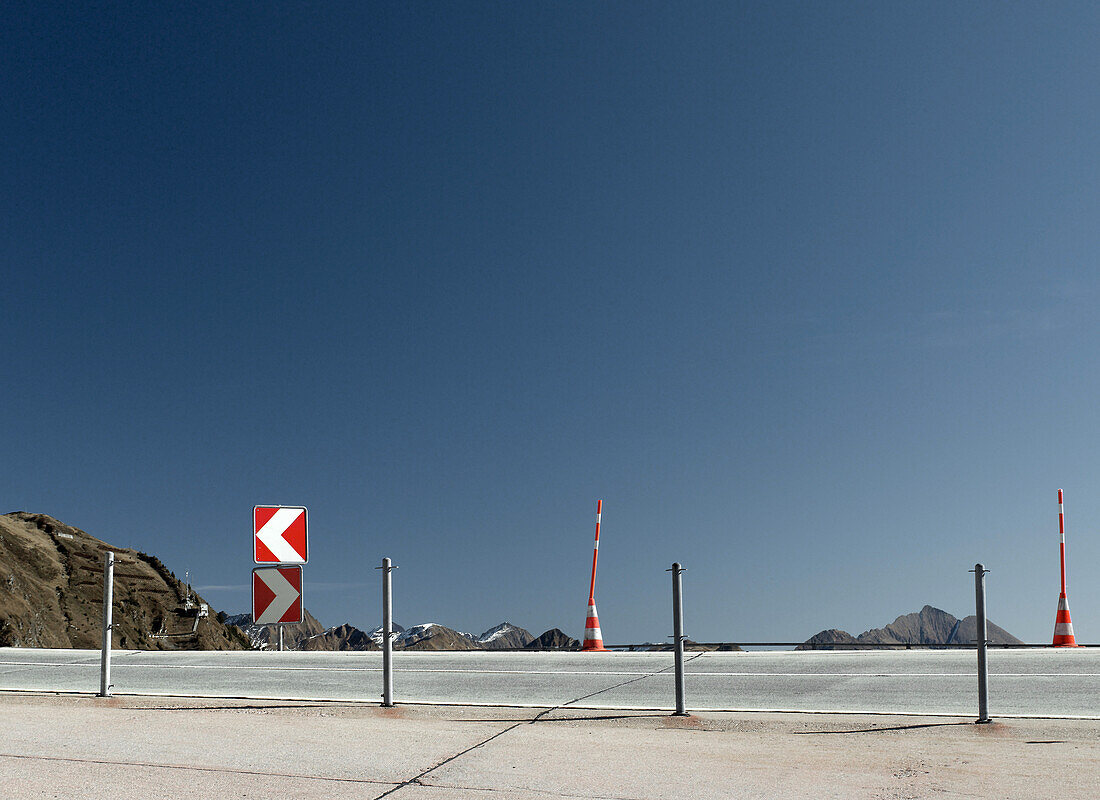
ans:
(804, 292)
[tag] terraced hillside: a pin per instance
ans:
(51, 594)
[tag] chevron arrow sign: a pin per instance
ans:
(279, 535)
(276, 595)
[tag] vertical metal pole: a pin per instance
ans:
(108, 602)
(280, 638)
(982, 634)
(678, 635)
(387, 635)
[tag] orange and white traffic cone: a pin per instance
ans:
(593, 637)
(1063, 626)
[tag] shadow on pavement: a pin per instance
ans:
(220, 708)
(881, 730)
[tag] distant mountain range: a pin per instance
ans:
(51, 588)
(929, 626)
(311, 635)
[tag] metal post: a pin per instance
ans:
(387, 634)
(108, 602)
(280, 637)
(678, 636)
(982, 634)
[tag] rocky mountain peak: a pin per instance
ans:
(929, 626)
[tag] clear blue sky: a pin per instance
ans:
(805, 292)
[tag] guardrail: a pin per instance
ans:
(677, 648)
(651, 647)
(680, 642)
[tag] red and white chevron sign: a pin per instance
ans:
(276, 595)
(279, 535)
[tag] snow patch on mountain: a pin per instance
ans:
(376, 634)
(503, 629)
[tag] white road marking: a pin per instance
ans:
(273, 668)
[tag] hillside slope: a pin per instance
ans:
(51, 594)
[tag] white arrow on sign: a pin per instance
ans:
(272, 531)
(285, 595)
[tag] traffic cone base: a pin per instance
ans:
(593, 637)
(1063, 626)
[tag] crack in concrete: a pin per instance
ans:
(526, 790)
(624, 683)
(418, 780)
(192, 768)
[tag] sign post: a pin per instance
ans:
(387, 633)
(108, 625)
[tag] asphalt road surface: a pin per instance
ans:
(1039, 683)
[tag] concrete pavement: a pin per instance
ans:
(147, 748)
